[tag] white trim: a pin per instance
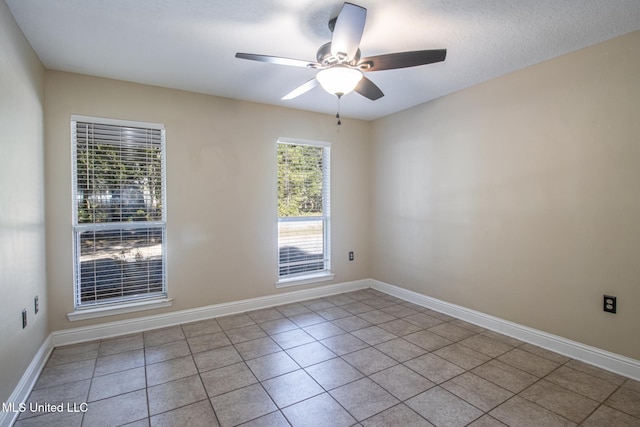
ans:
(594, 356)
(139, 324)
(116, 122)
(295, 141)
(27, 382)
(122, 308)
(287, 281)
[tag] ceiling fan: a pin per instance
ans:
(339, 61)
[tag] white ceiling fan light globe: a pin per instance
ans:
(339, 80)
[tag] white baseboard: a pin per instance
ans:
(594, 356)
(139, 324)
(27, 382)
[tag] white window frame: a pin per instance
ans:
(324, 274)
(144, 301)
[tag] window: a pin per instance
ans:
(119, 219)
(303, 210)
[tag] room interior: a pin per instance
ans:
(506, 195)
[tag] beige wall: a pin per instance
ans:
(22, 235)
(520, 197)
(221, 191)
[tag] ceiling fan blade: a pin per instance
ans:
(278, 60)
(303, 88)
(368, 89)
(392, 61)
(348, 30)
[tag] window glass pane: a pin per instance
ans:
(115, 264)
(119, 174)
(301, 246)
(300, 180)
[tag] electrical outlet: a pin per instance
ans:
(36, 305)
(24, 318)
(351, 256)
(609, 304)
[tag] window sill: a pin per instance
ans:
(305, 280)
(112, 310)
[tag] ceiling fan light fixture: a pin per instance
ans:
(339, 80)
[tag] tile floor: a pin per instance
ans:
(359, 358)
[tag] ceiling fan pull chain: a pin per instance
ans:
(338, 113)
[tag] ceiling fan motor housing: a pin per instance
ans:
(326, 59)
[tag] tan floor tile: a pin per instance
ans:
(228, 378)
(487, 421)
(451, 331)
(213, 359)
(428, 340)
(528, 362)
(73, 353)
(373, 335)
(174, 394)
(292, 388)
(63, 419)
(519, 412)
(582, 383)
(513, 342)
(596, 372)
(256, 348)
(203, 327)
(168, 351)
(505, 376)
(119, 362)
(272, 365)
(343, 344)
(363, 398)
(67, 373)
(319, 411)
(120, 345)
(234, 321)
(310, 354)
(442, 408)
(369, 360)
(202, 343)
(274, 419)
(605, 416)
(323, 330)
(75, 392)
(462, 356)
(245, 333)
(423, 320)
(399, 415)
(333, 373)
(547, 354)
(117, 410)
(625, 400)
(351, 323)
(117, 383)
(399, 327)
(559, 400)
(242, 405)
(486, 345)
(292, 338)
(402, 382)
(401, 350)
(170, 370)
(195, 415)
(477, 391)
(307, 319)
(163, 336)
(434, 368)
(265, 315)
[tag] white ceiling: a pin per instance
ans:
(190, 44)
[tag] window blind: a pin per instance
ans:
(119, 211)
(303, 208)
